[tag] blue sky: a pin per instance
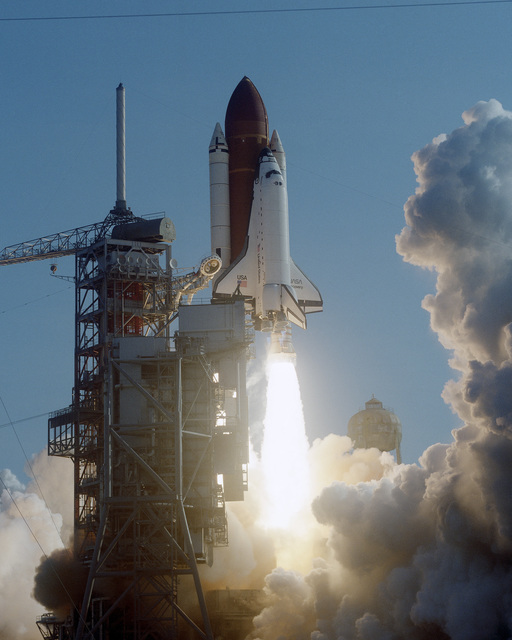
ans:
(353, 93)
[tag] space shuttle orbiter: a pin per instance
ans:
(249, 218)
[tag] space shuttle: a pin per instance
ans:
(250, 223)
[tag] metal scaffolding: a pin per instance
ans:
(151, 417)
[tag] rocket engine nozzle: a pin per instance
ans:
(281, 347)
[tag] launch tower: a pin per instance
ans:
(157, 427)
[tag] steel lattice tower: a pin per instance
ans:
(157, 430)
(141, 432)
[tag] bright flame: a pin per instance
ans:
(285, 446)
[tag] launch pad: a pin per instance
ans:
(157, 429)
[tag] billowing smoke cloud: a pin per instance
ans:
(21, 523)
(424, 552)
(460, 225)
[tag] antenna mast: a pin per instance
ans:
(120, 147)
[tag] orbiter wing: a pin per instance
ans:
(308, 296)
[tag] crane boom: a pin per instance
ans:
(64, 243)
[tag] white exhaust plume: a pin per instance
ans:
(284, 449)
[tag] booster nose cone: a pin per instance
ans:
(218, 140)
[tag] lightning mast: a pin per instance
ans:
(157, 427)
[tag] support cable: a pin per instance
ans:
(32, 472)
(46, 556)
(228, 12)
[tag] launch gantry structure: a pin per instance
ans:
(157, 429)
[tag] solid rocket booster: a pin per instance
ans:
(219, 197)
(261, 271)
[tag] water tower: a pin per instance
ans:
(377, 427)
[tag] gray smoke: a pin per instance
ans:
(59, 582)
(424, 552)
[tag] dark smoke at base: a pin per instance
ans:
(424, 552)
(60, 582)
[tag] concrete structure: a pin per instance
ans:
(377, 427)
